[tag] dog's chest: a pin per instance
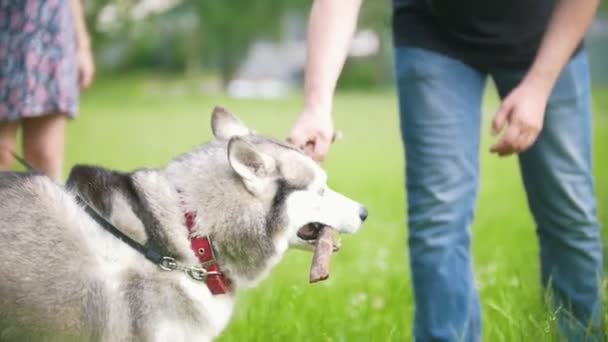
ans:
(214, 312)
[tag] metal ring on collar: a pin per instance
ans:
(168, 264)
(197, 273)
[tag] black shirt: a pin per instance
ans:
(483, 33)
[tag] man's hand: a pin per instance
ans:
(524, 111)
(313, 131)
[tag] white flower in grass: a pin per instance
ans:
(358, 299)
(382, 258)
(378, 303)
(486, 276)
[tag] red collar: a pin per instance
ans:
(203, 249)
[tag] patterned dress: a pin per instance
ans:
(38, 64)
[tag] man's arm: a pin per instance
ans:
(331, 27)
(524, 107)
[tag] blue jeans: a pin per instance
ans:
(440, 99)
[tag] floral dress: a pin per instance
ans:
(38, 64)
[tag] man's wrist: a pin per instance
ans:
(541, 80)
(317, 107)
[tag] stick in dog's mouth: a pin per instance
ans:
(323, 239)
(311, 232)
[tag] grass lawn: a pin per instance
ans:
(143, 122)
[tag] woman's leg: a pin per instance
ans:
(44, 143)
(8, 139)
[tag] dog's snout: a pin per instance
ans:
(363, 214)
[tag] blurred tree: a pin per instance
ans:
(375, 70)
(192, 35)
(93, 10)
(225, 30)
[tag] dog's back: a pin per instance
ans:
(42, 253)
(58, 266)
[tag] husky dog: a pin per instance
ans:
(63, 276)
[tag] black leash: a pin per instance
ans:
(164, 262)
(150, 254)
(24, 162)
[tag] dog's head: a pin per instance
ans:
(257, 196)
(290, 184)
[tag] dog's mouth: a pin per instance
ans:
(310, 233)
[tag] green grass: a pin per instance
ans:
(130, 123)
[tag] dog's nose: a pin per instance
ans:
(363, 214)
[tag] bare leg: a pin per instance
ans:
(44, 143)
(8, 137)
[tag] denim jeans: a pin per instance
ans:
(440, 99)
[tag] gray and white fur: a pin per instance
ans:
(63, 277)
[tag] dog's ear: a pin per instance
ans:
(225, 125)
(255, 168)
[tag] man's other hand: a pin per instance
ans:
(523, 111)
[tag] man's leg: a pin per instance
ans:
(559, 183)
(440, 100)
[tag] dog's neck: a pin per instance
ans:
(244, 248)
(170, 222)
(164, 225)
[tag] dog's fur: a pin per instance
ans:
(63, 276)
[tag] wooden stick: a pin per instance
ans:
(319, 270)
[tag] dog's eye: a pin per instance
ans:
(321, 192)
